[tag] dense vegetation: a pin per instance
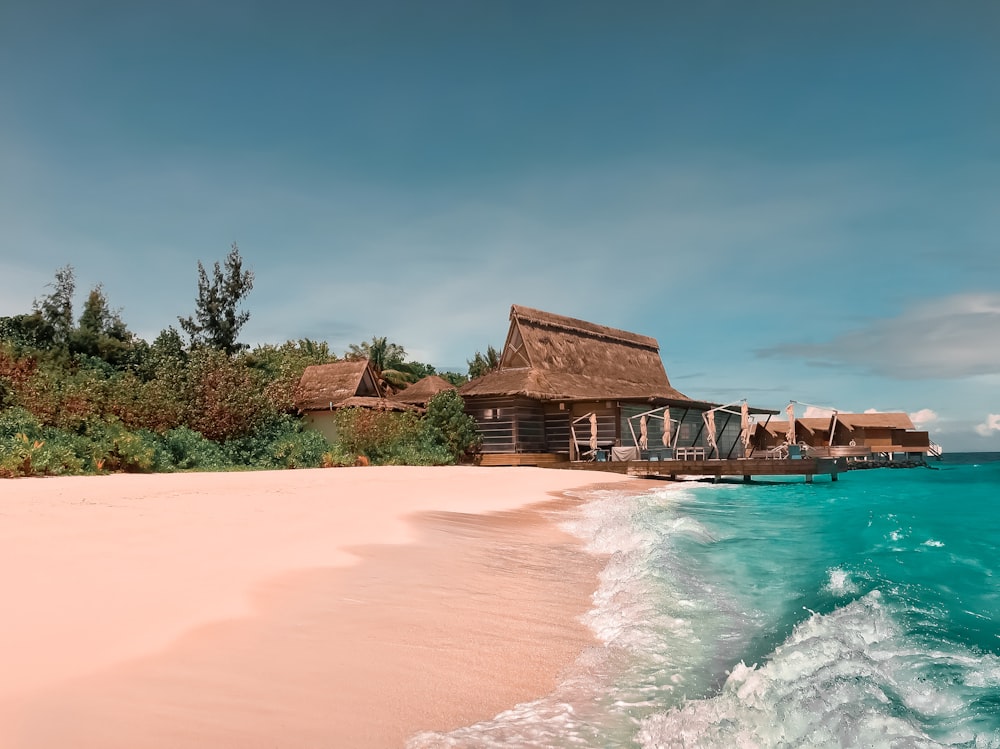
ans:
(85, 395)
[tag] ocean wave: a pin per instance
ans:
(852, 677)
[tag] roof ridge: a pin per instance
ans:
(577, 325)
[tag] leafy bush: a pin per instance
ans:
(188, 450)
(447, 425)
(16, 420)
(377, 435)
(114, 448)
(280, 443)
(391, 438)
(26, 449)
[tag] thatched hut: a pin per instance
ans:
(421, 391)
(326, 388)
(556, 371)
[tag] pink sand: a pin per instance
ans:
(99, 574)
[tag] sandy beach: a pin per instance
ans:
(341, 607)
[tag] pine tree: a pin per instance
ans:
(217, 319)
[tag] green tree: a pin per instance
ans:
(54, 311)
(455, 378)
(217, 319)
(101, 332)
(282, 367)
(225, 397)
(387, 359)
(484, 364)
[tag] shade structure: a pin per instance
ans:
(745, 425)
(710, 430)
(643, 433)
(790, 434)
(666, 427)
(593, 431)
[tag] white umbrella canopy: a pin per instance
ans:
(710, 430)
(666, 427)
(593, 431)
(643, 433)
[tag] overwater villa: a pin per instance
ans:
(855, 436)
(567, 389)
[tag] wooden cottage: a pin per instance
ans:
(421, 391)
(851, 435)
(558, 376)
(325, 388)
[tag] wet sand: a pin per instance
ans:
(346, 607)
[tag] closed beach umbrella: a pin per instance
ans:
(666, 427)
(643, 433)
(790, 434)
(745, 424)
(710, 430)
(593, 431)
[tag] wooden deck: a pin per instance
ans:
(716, 469)
(544, 460)
(675, 469)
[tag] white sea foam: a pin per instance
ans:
(840, 582)
(932, 542)
(646, 624)
(839, 680)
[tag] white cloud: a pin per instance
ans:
(815, 412)
(988, 427)
(923, 418)
(872, 411)
(938, 339)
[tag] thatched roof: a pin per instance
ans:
(376, 404)
(847, 420)
(326, 386)
(876, 420)
(423, 390)
(551, 357)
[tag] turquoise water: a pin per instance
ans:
(863, 612)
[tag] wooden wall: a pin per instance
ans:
(508, 424)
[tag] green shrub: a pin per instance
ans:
(447, 425)
(114, 448)
(188, 450)
(280, 443)
(17, 420)
(378, 435)
(30, 452)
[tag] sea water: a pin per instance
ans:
(858, 613)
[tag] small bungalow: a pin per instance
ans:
(573, 388)
(421, 391)
(325, 388)
(851, 435)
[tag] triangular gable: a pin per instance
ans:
(323, 386)
(515, 354)
(368, 385)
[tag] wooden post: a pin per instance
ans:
(746, 479)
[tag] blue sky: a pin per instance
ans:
(798, 200)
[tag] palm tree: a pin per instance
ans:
(481, 364)
(387, 359)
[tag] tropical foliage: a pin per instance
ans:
(83, 394)
(481, 364)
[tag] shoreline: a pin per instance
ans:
(470, 598)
